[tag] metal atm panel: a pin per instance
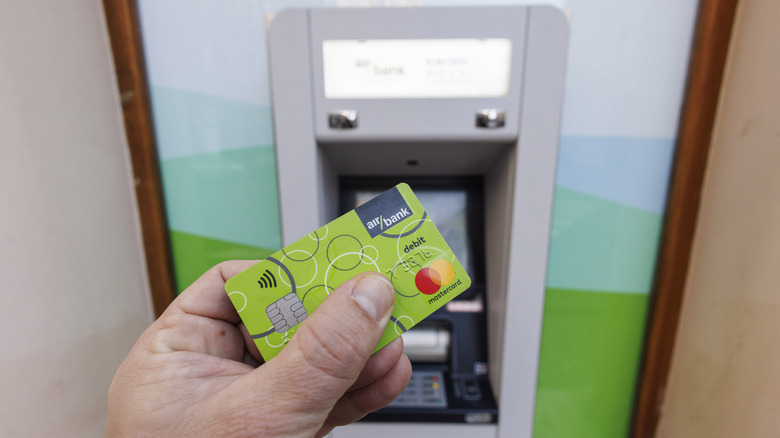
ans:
(508, 140)
(416, 119)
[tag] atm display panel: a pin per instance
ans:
(454, 203)
(448, 351)
(506, 134)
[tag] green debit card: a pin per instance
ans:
(391, 234)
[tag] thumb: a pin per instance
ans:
(331, 347)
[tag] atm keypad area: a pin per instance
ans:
(425, 390)
(448, 350)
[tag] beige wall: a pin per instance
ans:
(74, 294)
(725, 377)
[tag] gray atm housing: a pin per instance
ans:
(441, 136)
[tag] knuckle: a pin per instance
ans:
(334, 349)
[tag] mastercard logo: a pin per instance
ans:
(429, 280)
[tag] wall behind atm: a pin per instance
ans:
(75, 295)
(725, 374)
(207, 64)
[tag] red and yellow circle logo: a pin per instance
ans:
(429, 280)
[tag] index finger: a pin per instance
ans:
(207, 297)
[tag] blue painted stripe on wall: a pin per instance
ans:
(628, 170)
(192, 123)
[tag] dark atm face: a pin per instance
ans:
(449, 349)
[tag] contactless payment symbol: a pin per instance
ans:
(429, 280)
(267, 280)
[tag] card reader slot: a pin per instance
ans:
(428, 342)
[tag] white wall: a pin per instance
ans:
(725, 375)
(74, 293)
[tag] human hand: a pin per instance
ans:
(195, 370)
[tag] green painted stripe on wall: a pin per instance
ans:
(194, 255)
(601, 245)
(226, 195)
(591, 346)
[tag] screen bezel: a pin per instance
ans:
(348, 79)
(472, 186)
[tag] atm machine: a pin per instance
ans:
(463, 104)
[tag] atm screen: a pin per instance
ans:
(416, 68)
(453, 209)
(448, 211)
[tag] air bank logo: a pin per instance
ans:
(383, 212)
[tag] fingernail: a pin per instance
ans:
(374, 294)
